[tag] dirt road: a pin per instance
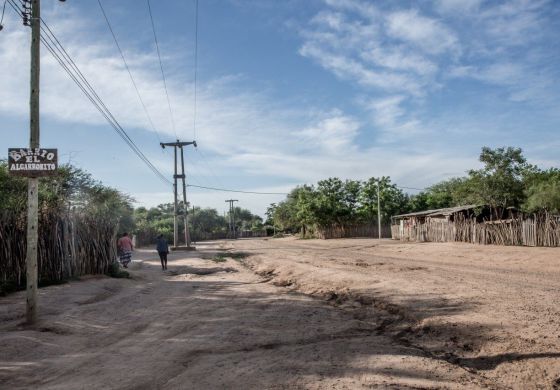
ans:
(298, 314)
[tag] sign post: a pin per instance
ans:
(32, 162)
(33, 182)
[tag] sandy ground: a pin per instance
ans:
(298, 314)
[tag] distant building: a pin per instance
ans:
(462, 223)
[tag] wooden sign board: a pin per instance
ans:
(32, 162)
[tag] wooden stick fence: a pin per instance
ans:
(364, 230)
(538, 230)
(69, 246)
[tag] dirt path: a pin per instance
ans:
(493, 311)
(339, 314)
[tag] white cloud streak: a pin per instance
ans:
(428, 34)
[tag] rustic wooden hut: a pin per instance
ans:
(436, 225)
(477, 224)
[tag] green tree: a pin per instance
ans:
(418, 202)
(305, 208)
(543, 192)
(336, 202)
(295, 213)
(447, 193)
(70, 188)
(392, 200)
(500, 183)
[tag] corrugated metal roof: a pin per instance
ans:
(434, 212)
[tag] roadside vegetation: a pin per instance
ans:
(505, 180)
(204, 223)
(78, 222)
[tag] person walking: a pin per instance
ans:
(163, 250)
(125, 249)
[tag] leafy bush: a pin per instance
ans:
(115, 271)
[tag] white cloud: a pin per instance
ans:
(458, 7)
(387, 110)
(462, 71)
(360, 43)
(365, 9)
(334, 134)
(348, 68)
(394, 122)
(400, 58)
(501, 73)
(515, 22)
(428, 34)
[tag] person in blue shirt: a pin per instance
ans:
(162, 249)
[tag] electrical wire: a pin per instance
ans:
(256, 192)
(194, 168)
(106, 115)
(56, 49)
(206, 162)
(129, 72)
(161, 67)
(238, 191)
(3, 11)
(53, 45)
(411, 188)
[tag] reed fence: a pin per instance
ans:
(353, 231)
(537, 230)
(251, 233)
(69, 246)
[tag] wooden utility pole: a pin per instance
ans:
(232, 232)
(175, 223)
(378, 211)
(33, 182)
(186, 214)
(179, 145)
(193, 220)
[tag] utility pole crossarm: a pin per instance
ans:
(178, 144)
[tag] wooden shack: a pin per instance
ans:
(477, 224)
(437, 225)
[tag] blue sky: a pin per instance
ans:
(291, 92)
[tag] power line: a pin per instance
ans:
(54, 46)
(88, 90)
(206, 162)
(161, 67)
(195, 168)
(238, 191)
(128, 70)
(412, 188)
(79, 78)
(3, 11)
(107, 116)
(261, 193)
